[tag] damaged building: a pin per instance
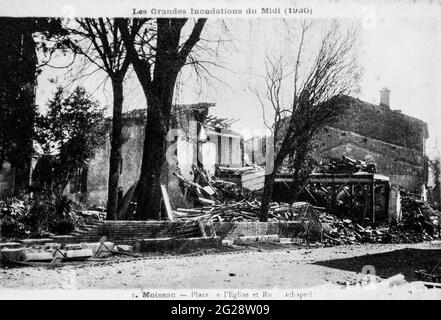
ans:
(377, 134)
(195, 136)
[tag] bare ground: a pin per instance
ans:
(262, 268)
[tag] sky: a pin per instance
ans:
(398, 51)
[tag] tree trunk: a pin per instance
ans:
(267, 195)
(115, 150)
(24, 78)
(149, 196)
(155, 148)
(170, 57)
(269, 183)
(297, 181)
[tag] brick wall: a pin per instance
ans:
(127, 232)
(238, 229)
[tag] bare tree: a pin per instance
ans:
(157, 63)
(99, 40)
(313, 105)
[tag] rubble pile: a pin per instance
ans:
(434, 275)
(346, 231)
(53, 254)
(224, 201)
(227, 191)
(345, 165)
(205, 190)
(419, 215)
(237, 171)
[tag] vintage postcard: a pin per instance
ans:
(220, 151)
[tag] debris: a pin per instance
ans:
(124, 208)
(99, 249)
(167, 204)
(79, 254)
(345, 165)
(38, 256)
(51, 246)
(346, 231)
(227, 242)
(424, 275)
(124, 248)
(73, 246)
(250, 178)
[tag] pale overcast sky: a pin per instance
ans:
(399, 52)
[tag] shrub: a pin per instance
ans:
(38, 215)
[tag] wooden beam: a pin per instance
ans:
(352, 196)
(167, 204)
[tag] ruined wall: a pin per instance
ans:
(181, 155)
(98, 173)
(255, 148)
(405, 167)
(394, 141)
(228, 147)
(132, 150)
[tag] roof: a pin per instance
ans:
(397, 112)
(381, 123)
(138, 116)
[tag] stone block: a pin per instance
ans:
(79, 254)
(38, 256)
(227, 242)
(124, 248)
(99, 250)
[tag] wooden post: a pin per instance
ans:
(230, 150)
(386, 197)
(333, 199)
(167, 203)
(219, 149)
(351, 204)
(366, 201)
(253, 157)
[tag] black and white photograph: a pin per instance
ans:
(220, 150)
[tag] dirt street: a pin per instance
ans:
(291, 267)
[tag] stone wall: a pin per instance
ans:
(381, 123)
(98, 172)
(290, 229)
(376, 134)
(405, 167)
(181, 155)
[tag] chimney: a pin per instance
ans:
(385, 97)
